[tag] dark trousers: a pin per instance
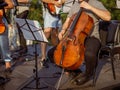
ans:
(92, 46)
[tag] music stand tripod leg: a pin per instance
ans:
(36, 74)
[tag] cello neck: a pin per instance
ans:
(76, 18)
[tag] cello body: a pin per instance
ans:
(2, 26)
(69, 53)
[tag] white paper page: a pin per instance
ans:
(34, 33)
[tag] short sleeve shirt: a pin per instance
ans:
(76, 7)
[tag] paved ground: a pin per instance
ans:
(23, 76)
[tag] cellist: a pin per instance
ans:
(97, 11)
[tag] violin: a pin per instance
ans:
(69, 53)
(2, 26)
(54, 10)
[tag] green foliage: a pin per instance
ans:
(63, 16)
(111, 6)
(36, 10)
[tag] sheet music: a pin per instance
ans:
(36, 32)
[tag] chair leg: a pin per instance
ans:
(94, 78)
(113, 69)
(118, 56)
(94, 73)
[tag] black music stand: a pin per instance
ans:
(32, 31)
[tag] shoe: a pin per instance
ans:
(2, 62)
(44, 63)
(103, 54)
(8, 70)
(3, 80)
(10, 64)
(77, 72)
(81, 80)
(74, 73)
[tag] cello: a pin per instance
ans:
(69, 53)
(2, 26)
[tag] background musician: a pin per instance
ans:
(4, 41)
(22, 12)
(52, 22)
(4, 37)
(97, 11)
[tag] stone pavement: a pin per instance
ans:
(23, 77)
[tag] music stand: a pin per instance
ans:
(32, 31)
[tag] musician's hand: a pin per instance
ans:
(60, 35)
(85, 5)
